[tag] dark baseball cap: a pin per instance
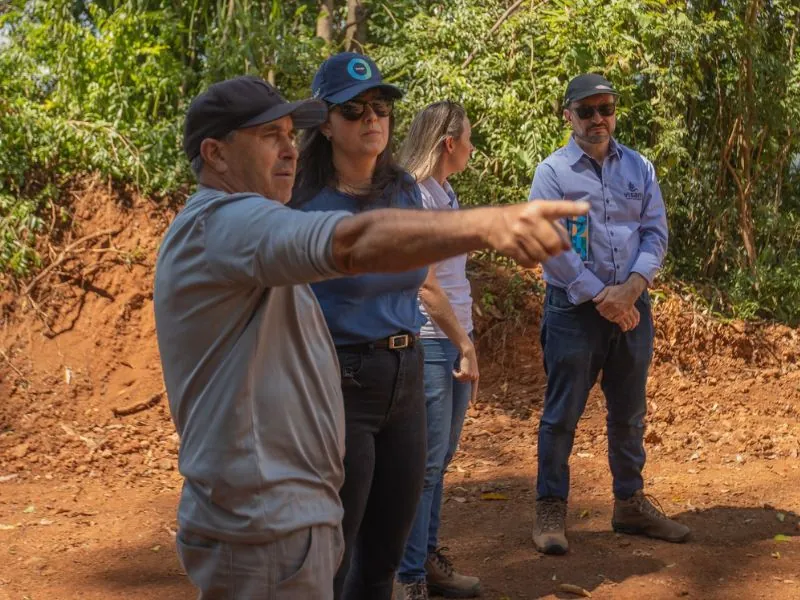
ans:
(344, 76)
(587, 85)
(239, 103)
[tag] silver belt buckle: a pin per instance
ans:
(398, 342)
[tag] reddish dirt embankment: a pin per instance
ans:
(88, 480)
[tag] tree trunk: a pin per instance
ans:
(746, 145)
(325, 20)
(356, 31)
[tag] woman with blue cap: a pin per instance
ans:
(346, 164)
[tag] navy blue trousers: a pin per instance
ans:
(578, 343)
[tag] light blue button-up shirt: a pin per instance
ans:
(627, 218)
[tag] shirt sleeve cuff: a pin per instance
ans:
(646, 265)
(584, 288)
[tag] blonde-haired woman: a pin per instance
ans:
(438, 145)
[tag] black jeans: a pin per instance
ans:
(384, 465)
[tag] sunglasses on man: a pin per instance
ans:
(353, 110)
(587, 112)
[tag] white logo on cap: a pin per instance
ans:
(602, 87)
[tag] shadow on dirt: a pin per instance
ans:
(728, 544)
(142, 572)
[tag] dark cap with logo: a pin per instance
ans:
(587, 85)
(344, 76)
(239, 103)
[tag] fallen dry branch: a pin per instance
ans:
(139, 406)
(10, 364)
(41, 315)
(65, 254)
(574, 589)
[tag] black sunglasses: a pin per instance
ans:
(587, 112)
(353, 110)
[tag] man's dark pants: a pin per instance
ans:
(578, 343)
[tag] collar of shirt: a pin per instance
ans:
(442, 194)
(575, 152)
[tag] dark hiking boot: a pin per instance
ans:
(411, 591)
(443, 580)
(549, 532)
(638, 516)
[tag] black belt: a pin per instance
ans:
(393, 342)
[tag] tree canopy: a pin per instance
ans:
(710, 92)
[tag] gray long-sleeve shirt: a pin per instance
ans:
(250, 368)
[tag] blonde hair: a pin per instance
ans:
(423, 146)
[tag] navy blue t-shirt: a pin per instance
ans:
(372, 306)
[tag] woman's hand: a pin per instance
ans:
(468, 369)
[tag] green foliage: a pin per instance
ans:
(710, 92)
(103, 87)
(688, 102)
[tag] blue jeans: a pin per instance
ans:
(446, 402)
(577, 343)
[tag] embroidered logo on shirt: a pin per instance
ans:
(633, 192)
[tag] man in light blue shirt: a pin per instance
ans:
(597, 312)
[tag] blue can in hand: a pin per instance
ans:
(578, 228)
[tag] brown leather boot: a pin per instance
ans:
(550, 530)
(444, 581)
(638, 516)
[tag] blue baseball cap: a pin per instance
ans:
(344, 76)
